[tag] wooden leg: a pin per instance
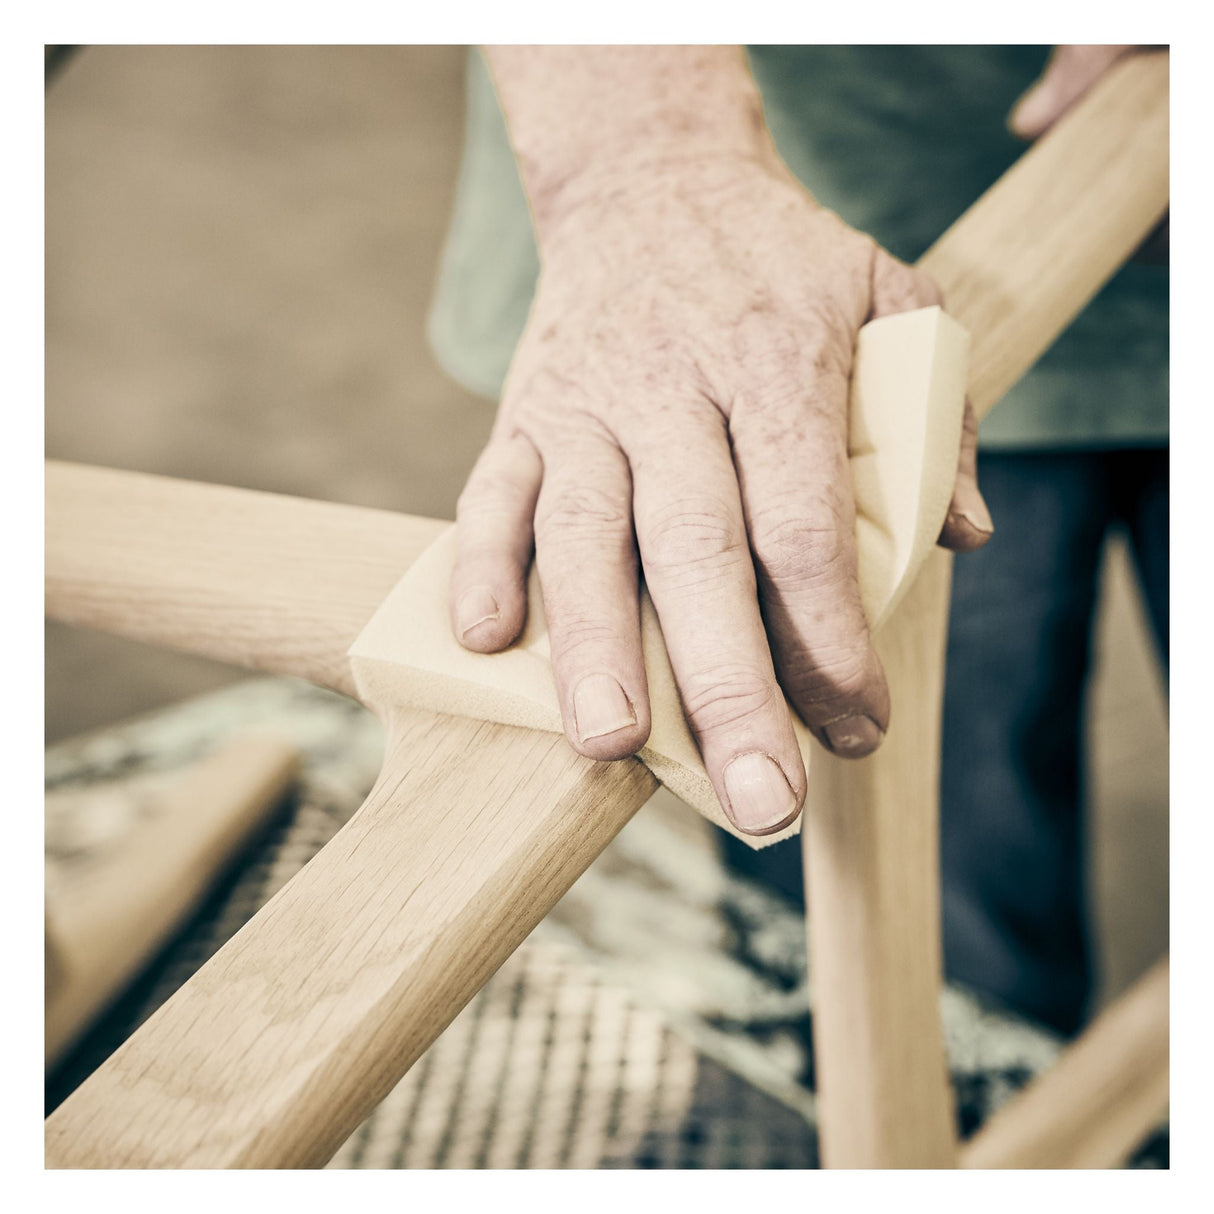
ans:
(105, 924)
(1100, 1098)
(872, 893)
(278, 1047)
(275, 1051)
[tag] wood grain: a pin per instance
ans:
(1098, 1101)
(872, 880)
(1015, 269)
(281, 1044)
(274, 1052)
(256, 579)
(1021, 262)
(130, 897)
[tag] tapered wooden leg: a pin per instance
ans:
(873, 896)
(110, 919)
(1099, 1100)
(276, 1050)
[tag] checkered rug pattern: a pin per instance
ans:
(658, 1018)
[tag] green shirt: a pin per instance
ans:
(899, 141)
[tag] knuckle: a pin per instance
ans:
(904, 287)
(723, 696)
(574, 630)
(480, 495)
(797, 551)
(584, 511)
(494, 482)
(928, 289)
(803, 547)
(827, 682)
(692, 533)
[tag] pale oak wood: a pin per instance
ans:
(906, 415)
(111, 917)
(1014, 270)
(274, 1052)
(1102, 1095)
(1021, 262)
(256, 579)
(873, 907)
(962, 262)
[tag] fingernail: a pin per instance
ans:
(760, 798)
(977, 516)
(600, 707)
(853, 736)
(475, 606)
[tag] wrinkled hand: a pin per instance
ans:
(682, 389)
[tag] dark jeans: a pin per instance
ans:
(1012, 780)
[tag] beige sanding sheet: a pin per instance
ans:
(907, 402)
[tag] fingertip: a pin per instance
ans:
(604, 721)
(485, 619)
(758, 794)
(756, 833)
(854, 737)
(1029, 116)
(622, 743)
(963, 534)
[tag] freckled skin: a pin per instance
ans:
(677, 408)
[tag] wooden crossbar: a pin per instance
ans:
(1093, 1106)
(278, 1047)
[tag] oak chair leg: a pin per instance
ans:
(276, 1050)
(1015, 268)
(873, 903)
(108, 921)
(1093, 1106)
(279, 1046)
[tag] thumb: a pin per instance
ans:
(1070, 72)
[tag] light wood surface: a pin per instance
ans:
(129, 898)
(277, 1048)
(907, 407)
(873, 901)
(1101, 1097)
(1020, 264)
(256, 579)
(1014, 270)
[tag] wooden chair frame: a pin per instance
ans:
(274, 1052)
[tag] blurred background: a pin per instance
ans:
(240, 247)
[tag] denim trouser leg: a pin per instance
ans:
(1011, 778)
(1012, 846)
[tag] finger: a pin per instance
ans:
(1070, 72)
(968, 525)
(897, 288)
(790, 448)
(488, 591)
(587, 564)
(692, 540)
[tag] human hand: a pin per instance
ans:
(682, 389)
(1070, 72)
(1068, 75)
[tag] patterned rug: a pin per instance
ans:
(657, 1018)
